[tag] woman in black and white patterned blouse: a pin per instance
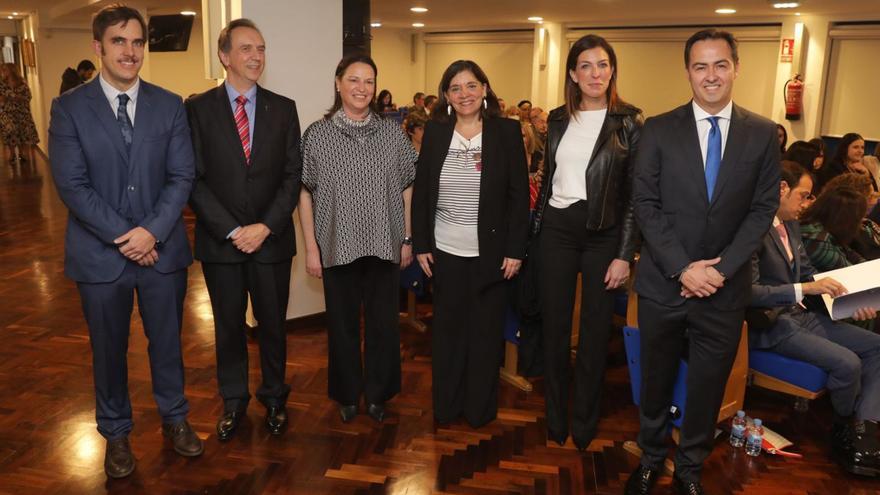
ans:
(357, 171)
(470, 224)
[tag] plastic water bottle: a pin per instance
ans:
(738, 429)
(754, 438)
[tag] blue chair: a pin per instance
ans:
(776, 372)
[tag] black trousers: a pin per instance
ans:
(373, 283)
(566, 249)
(107, 308)
(467, 341)
(713, 339)
(269, 287)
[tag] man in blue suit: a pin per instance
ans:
(122, 160)
(781, 277)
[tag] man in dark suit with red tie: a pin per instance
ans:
(705, 189)
(248, 172)
(782, 278)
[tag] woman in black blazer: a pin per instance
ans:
(585, 218)
(470, 224)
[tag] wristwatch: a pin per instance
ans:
(407, 241)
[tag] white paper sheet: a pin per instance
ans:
(862, 283)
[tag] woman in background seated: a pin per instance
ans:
(470, 226)
(414, 125)
(782, 135)
(847, 158)
(867, 242)
(384, 103)
(831, 224)
(585, 225)
(806, 154)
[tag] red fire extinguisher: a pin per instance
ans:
(793, 92)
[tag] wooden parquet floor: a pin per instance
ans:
(49, 444)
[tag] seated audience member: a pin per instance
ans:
(512, 113)
(872, 163)
(806, 154)
(782, 134)
(782, 275)
(538, 118)
(819, 143)
(414, 125)
(384, 103)
(430, 101)
(524, 106)
(534, 147)
(418, 102)
(831, 224)
(847, 158)
(502, 104)
(867, 241)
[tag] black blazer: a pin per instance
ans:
(680, 224)
(503, 216)
(228, 192)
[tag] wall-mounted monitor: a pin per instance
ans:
(170, 33)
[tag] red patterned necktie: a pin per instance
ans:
(241, 124)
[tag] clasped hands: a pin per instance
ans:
(249, 238)
(138, 245)
(701, 279)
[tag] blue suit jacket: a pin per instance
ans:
(108, 190)
(773, 280)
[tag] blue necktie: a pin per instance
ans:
(713, 156)
(124, 120)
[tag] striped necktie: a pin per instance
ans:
(241, 125)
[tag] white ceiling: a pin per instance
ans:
(512, 14)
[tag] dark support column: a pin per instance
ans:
(355, 26)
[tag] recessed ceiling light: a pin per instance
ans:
(9, 17)
(785, 5)
(797, 13)
(535, 18)
(187, 12)
(418, 24)
(376, 24)
(15, 13)
(418, 10)
(725, 11)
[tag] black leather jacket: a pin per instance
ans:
(609, 175)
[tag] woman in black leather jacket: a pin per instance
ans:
(585, 220)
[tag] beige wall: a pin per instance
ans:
(182, 72)
(57, 49)
(508, 65)
(852, 101)
(392, 50)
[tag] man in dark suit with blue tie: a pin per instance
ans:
(248, 171)
(782, 277)
(122, 161)
(705, 190)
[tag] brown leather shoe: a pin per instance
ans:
(183, 438)
(118, 459)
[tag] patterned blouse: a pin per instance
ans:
(825, 252)
(356, 172)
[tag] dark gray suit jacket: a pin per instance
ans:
(680, 224)
(773, 280)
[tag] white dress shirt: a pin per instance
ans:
(703, 126)
(112, 95)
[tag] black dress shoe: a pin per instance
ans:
(558, 437)
(641, 481)
(183, 438)
(687, 487)
(276, 419)
(855, 446)
(376, 411)
(118, 459)
(348, 412)
(228, 423)
(580, 443)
